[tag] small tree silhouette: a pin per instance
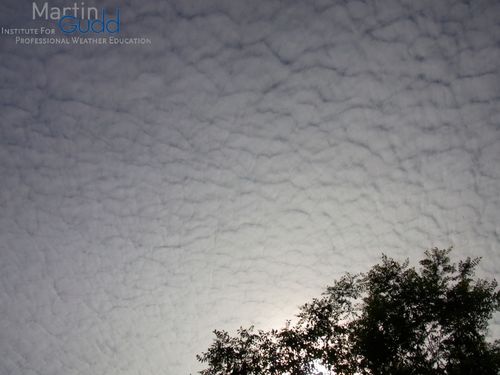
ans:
(392, 320)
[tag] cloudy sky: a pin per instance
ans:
(224, 173)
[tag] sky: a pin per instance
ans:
(228, 166)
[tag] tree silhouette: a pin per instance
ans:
(394, 319)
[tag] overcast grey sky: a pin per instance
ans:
(225, 173)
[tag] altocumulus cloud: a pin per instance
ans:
(223, 174)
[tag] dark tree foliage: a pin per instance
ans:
(395, 319)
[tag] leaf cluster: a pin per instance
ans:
(394, 319)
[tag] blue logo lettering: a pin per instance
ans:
(70, 24)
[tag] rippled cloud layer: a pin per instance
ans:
(225, 173)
